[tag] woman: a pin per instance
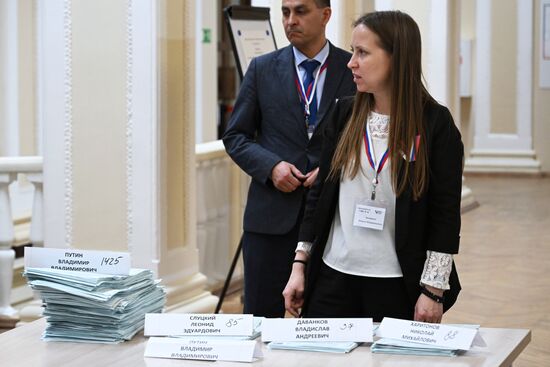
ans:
(382, 221)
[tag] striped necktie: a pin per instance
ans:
(310, 66)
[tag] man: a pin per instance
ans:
(274, 135)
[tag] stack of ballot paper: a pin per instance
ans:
(328, 347)
(224, 337)
(332, 335)
(395, 346)
(92, 307)
(425, 339)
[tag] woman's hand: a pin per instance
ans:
(294, 290)
(428, 310)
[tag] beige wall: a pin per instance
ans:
(468, 32)
(99, 44)
(351, 11)
(541, 101)
(419, 11)
(503, 67)
(468, 19)
(177, 101)
(27, 96)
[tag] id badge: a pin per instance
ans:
(370, 214)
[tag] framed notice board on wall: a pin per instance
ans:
(250, 32)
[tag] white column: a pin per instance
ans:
(443, 54)
(499, 152)
(335, 31)
(9, 101)
(53, 113)
(9, 143)
(443, 66)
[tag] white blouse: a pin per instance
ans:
(363, 251)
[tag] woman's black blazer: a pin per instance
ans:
(430, 223)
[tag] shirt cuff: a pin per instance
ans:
(437, 270)
(305, 247)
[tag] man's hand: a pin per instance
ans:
(286, 177)
(311, 177)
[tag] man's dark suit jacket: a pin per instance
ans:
(430, 223)
(268, 126)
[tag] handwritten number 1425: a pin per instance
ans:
(110, 260)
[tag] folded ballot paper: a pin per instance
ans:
(332, 335)
(326, 347)
(224, 337)
(91, 307)
(407, 337)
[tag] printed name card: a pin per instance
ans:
(341, 330)
(102, 262)
(208, 350)
(440, 335)
(176, 324)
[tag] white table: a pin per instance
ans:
(23, 347)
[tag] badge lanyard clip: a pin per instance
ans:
(369, 147)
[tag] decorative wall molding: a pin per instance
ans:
(189, 116)
(68, 122)
(502, 161)
(38, 121)
(129, 124)
(503, 152)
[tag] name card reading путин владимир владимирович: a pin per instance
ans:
(102, 262)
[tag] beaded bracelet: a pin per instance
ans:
(432, 296)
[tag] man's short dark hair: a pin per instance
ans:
(322, 3)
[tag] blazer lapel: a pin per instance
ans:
(332, 82)
(285, 75)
